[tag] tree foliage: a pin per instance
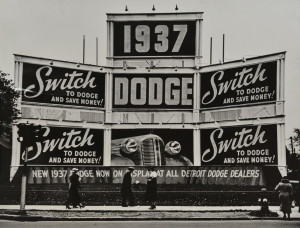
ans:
(8, 102)
(296, 137)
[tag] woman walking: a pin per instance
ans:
(285, 190)
(74, 197)
(151, 192)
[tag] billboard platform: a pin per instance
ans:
(176, 190)
(109, 195)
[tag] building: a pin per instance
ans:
(154, 104)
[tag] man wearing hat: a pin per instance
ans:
(126, 191)
(74, 197)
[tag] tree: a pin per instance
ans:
(8, 103)
(296, 137)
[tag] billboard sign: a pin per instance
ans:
(153, 91)
(241, 85)
(66, 146)
(154, 38)
(65, 86)
(243, 145)
(159, 147)
(222, 175)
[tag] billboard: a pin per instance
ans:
(154, 38)
(241, 145)
(158, 147)
(153, 91)
(66, 146)
(65, 86)
(229, 176)
(241, 85)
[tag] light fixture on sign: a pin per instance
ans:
(176, 7)
(78, 65)
(101, 68)
(153, 8)
(51, 62)
(217, 124)
(176, 68)
(244, 59)
(126, 9)
(125, 65)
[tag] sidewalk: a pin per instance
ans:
(92, 213)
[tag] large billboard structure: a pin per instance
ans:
(154, 104)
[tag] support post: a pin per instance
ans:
(24, 182)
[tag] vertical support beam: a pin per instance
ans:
(282, 72)
(108, 39)
(109, 54)
(107, 147)
(196, 97)
(281, 149)
(15, 157)
(278, 79)
(108, 97)
(198, 54)
(197, 147)
(16, 147)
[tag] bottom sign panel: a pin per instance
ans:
(242, 176)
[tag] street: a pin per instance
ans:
(153, 224)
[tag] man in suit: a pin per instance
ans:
(126, 191)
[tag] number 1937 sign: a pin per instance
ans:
(155, 38)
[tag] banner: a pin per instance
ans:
(144, 147)
(56, 85)
(66, 146)
(242, 85)
(154, 38)
(246, 145)
(245, 176)
(152, 91)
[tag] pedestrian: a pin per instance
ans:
(297, 196)
(74, 197)
(285, 190)
(151, 191)
(126, 191)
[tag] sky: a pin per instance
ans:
(54, 29)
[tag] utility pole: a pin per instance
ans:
(24, 182)
(97, 51)
(83, 57)
(292, 145)
(223, 51)
(210, 62)
(27, 134)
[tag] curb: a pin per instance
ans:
(46, 218)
